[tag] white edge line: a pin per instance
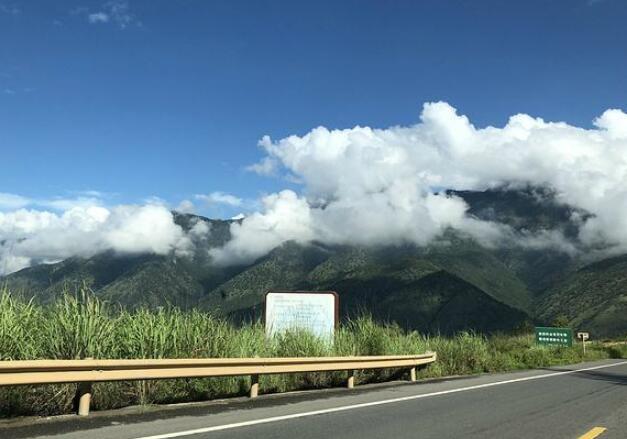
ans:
(369, 404)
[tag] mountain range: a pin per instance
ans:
(450, 285)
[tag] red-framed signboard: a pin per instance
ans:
(313, 311)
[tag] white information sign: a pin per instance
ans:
(583, 335)
(315, 312)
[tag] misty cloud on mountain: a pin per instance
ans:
(365, 186)
(380, 186)
(30, 236)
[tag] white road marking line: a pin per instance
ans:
(370, 404)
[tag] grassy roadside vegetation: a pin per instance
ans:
(79, 327)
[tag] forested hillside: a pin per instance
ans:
(451, 285)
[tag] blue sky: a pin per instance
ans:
(169, 98)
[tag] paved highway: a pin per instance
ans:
(564, 402)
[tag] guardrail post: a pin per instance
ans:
(254, 386)
(412, 374)
(350, 382)
(84, 398)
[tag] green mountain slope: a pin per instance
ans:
(452, 284)
(401, 286)
(593, 298)
(438, 302)
(391, 283)
(132, 280)
(283, 268)
(484, 269)
(45, 282)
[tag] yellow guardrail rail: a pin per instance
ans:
(85, 372)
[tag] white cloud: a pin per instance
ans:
(369, 186)
(186, 206)
(145, 229)
(266, 167)
(12, 201)
(10, 263)
(98, 17)
(69, 203)
(614, 122)
(285, 217)
(114, 11)
(154, 199)
(92, 193)
(30, 236)
(200, 230)
(220, 198)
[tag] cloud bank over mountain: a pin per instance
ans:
(363, 186)
(30, 236)
(378, 186)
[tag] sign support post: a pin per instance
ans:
(583, 336)
(583, 341)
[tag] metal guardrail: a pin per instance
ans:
(85, 372)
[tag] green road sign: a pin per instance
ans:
(554, 336)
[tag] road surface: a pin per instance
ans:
(562, 402)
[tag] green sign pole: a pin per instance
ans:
(547, 336)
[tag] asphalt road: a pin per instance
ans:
(564, 402)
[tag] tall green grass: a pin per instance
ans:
(81, 326)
